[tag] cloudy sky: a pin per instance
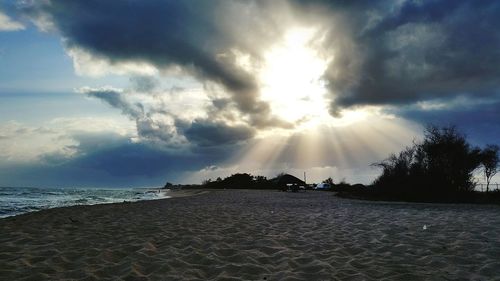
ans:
(135, 93)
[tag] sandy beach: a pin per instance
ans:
(253, 235)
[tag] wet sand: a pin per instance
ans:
(253, 235)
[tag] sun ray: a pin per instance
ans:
(262, 153)
(290, 80)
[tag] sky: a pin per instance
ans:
(137, 93)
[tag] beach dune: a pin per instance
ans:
(253, 235)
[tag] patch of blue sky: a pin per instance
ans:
(36, 108)
(36, 62)
(38, 82)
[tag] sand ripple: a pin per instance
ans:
(253, 235)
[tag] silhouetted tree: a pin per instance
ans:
(329, 181)
(490, 161)
(260, 180)
(447, 159)
(442, 164)
(238, 181)
(396, 169)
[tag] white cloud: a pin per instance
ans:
(22, 143)
(7, 24)
(25, 143)
(86, 64)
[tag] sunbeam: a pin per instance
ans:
(342, 152)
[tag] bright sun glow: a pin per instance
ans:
(291, 79)
(321, 145)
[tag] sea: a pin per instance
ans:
(19, 200)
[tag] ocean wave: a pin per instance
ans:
(15, 201)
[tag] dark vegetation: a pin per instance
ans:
(438, 169)
(281, 182)
(247, 181)
(170, 185)
(490, 161)
(239, 181)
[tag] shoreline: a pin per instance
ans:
(177, 193)
(170, 195)
(253, 235)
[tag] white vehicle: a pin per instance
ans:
(321, 186)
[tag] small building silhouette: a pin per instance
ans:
(288, 182)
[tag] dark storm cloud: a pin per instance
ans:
(163, 33)
(385, 52)
(116, 99)
(147, 128)
(208, 133)
(198, 132)
(110, 160)
(479, 121)
(118, 157)
(156, 131)
(417, 51)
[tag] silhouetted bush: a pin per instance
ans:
(239, 181)
(438, 168)
(490, 161)
(346, 187)
(247, 181)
